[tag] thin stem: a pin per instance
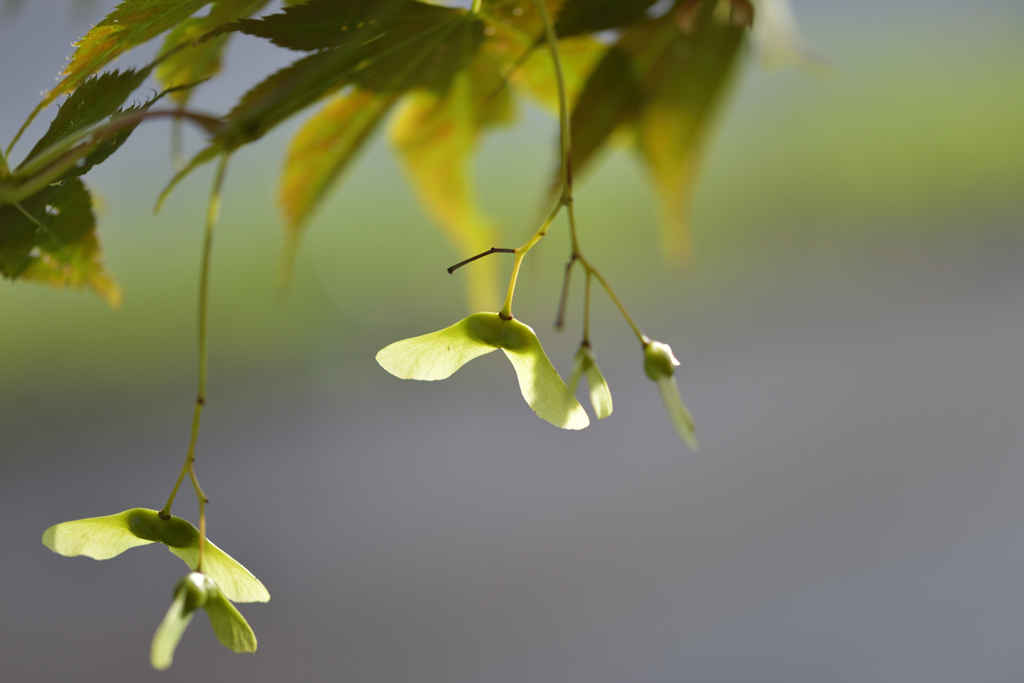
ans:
(566, 194)
(4, 170)
(212, 212)
(475, 9)
(203, 500)
(563, 101)
(564, 299)
(492, 250)
(520, 252)
(565, 199)
(586, 311)
(589, 268)
(644, 339)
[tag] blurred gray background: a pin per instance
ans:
(850, 333)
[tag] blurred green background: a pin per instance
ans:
(850, 337)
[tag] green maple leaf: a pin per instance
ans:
(435, 135)
(375, 53)
(132, 23)
(51, 238)
(101, 97)
(189, 61)
(326, 24)
(94, 100)
(398, 58)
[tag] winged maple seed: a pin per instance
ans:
(439, 354)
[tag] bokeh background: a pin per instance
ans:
(851, 334)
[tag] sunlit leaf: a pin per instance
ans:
(76, 265)
(132, 23)
(235, 581)
(600, 394)
(321, 150)
(436, 134)
(664, 78)
(172, 628)
(97, 537)
(611, 97)
(230, 627)
(439, 354)
(50, 238)
(519, 22)
(536, 75)
(679, 110)
(188, 62)
(325, 146)
(407, 53)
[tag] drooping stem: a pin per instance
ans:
(586, 311)
(212, 213)
(566, 195)
(492, 250)
(520, 252)
(565, 135)
(644, 339)
(589, 268)
(566, 192)
(564, 200)
(564, 299)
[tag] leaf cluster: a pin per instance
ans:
(449, 75)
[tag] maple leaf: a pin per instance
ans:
(435, 135)
(98, 98)
(189, 60)
(51, 238)
(132, 23)
(374, 53)
(662, 80)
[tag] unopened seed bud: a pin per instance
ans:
(659, 362)
(195, 586)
